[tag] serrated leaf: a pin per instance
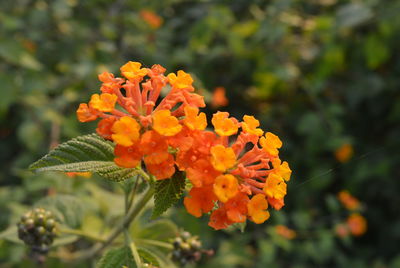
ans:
(89, 153)
(117, 257)
(167, 193)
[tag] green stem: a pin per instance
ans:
(131, 214)
(135, 253)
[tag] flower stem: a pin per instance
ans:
(130, 215)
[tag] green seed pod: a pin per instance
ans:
(30, 223)
(50, 223)
(187, 249)
(39, 219)
(185, 235)
(40, 230)
(37, 228)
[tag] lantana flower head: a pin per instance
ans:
(234, 169)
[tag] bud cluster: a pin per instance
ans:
(188, 249)
(37, 228)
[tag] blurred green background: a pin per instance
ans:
(321, 74)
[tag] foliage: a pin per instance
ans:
(168, 192)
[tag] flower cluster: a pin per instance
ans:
(235, 171)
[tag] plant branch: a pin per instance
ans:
(131, 214)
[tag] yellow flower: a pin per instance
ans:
(126, 131)
(271, 143)
(225, 187)
(281, 169)
(194, 121)
(181, 81)
(132, 70)
(250, 125)
(275, 186)
(223, 125)
(222, 158)
(104, 102)
(166, 124)
(257, 209)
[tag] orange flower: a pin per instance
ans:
(223, 125)
(163, 170)
(132, 70)
(218, 98)
(127, 157)
(166, 124)
(357, 224)
(154, 147)
(285, 232)
(271, 143)
(349, 201)
(250, 125)
(151, 18)
(281, 169)
(219, 219)
(236, 207)
(201, 200)
(202, 173)
(104, 127)
(85, 113)
(126, 131)
(194, 121)
(257, 209)
(181, 81)
(222, 158)
(226, 187)
(104, 102)
(276, 203)
(106, 77)
(110, 84)
(344, 153)
(275, 186)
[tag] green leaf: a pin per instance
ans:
(376, 51)
(117, 257)
(148, 257)
(65, 240)
(10, 234)
(168, 192)
(67, 208)
(89, 153)
(160, 230)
